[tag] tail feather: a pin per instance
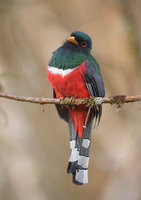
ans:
(78, 162)
(72, 166)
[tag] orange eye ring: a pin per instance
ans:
(83, 44)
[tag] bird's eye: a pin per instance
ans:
(83, 44)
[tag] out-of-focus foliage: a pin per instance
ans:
(34, 145)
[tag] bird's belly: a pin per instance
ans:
(69, 84)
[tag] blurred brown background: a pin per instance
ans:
(31, 167)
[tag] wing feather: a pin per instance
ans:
(62, 111)
(95, 86)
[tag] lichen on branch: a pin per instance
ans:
(120, 99)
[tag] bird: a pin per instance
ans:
(73, 72)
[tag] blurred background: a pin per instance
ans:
(31, 166)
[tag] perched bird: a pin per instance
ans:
(74, 72)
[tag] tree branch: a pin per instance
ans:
(120, 99)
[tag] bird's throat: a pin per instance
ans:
(64, 58)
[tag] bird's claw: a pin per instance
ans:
(72, 100)
(61, 101)
(98, 100)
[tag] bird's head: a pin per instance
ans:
(80, 40)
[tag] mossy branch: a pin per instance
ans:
(120, 99)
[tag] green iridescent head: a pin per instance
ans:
(81, 39)
(75, 50)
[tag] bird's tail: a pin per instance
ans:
(79, 157)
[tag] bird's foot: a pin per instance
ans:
(61, 101)
(72, 100)
(98, 100)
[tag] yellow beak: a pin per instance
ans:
(72, 39)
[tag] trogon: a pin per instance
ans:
(74, 72)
